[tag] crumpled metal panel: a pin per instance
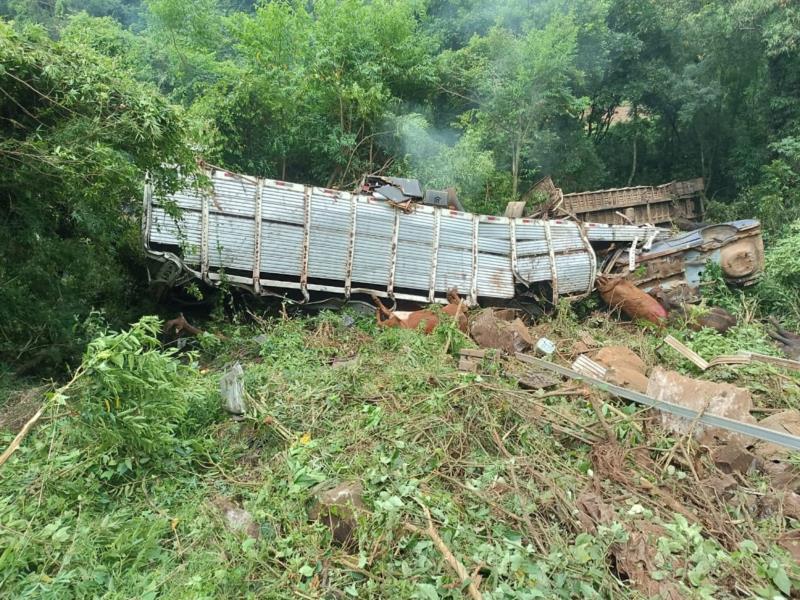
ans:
(676, 265)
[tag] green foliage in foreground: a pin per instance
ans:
(486, 97)
(113, 496)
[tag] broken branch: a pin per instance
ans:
(455, 564)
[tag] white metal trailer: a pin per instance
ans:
(272, 236)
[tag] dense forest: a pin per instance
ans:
(485, 96)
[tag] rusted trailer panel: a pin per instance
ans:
(657, 205)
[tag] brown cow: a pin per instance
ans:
(426, 318)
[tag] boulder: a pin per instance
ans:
(627, 378)
(620, 357)
(721, 399)
(490, 331)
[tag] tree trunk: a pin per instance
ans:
(633, 166)
(515, 152)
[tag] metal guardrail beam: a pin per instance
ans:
(762, 433)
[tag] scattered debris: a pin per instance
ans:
(723, 485)
(237, 519)
(662, 204)
(686, 352)
(637, 558)
(231, 387)
(675, 266)
(745, 428)
(787, 421)
(545, 347)
(742, 358)
(633, 302)
(783, 473)
(515, 210)
(584, 344)
(473, 352)
(617, 365)
(470, 360)
(586, 366)
(490, 330)
(756, 357)
(337, 508)
(580, 348)
(703, 397)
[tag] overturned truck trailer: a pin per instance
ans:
(274, 237)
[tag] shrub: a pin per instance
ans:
(139, 405)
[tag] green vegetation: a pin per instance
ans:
(116, 494)
(116, 491)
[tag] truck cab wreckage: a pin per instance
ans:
(390, 240)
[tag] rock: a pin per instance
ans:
(783, 475)
(734, 458)
(790, 541)
(536, 380)
(620, 357)
(469, 364)
(489, 331)
(723, 486)
(721, 399)
(237, 519)
(580, 347)
(337, 508)
(787, 421)
(627, 378)
(786, 503)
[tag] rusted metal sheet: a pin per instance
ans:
(272, 237)
(657, 205)
(675, 266)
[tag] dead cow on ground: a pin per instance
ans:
(425, 318)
